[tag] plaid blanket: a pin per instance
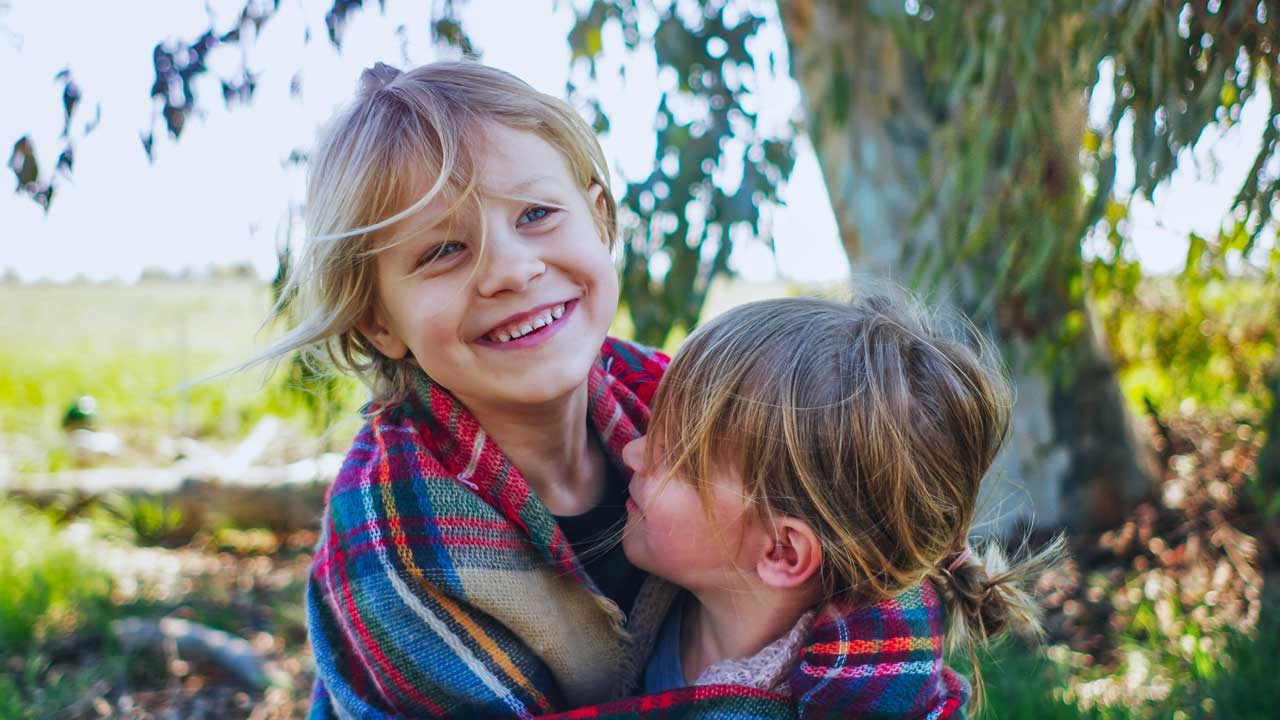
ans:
(442, 587)
(879, 661)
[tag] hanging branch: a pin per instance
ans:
(679, 223)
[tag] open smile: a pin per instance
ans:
(531, 328)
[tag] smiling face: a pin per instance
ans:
(506, 304)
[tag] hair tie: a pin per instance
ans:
(960, 559)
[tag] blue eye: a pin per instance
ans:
(534, 214)
(442, 251)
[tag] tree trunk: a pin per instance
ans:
(1074, 457)
(1268, 490)
(1269, 458)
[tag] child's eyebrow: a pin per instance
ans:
(422, 230)
(524, 186)
(419, 228)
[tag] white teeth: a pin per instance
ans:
(547, 317)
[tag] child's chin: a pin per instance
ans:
(631, 548)
(549, 381)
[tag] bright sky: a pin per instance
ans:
(222, 195)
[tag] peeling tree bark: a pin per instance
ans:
(1074, 457)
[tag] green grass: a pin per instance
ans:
(133, 348)
(1021, 683)
(39, 690)
(1024, 683)
(57, 601)
(1246, 686)
(47, 583)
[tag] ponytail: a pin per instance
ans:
(375, 78)
(987, 595)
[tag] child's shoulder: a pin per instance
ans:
(634, 356)
(898, 641)
(390, 442)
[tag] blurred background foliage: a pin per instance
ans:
(961, 158)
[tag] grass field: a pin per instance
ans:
(135, 348)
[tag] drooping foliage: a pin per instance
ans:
(26, 166)
(1020, 175)
(679, 224)
(179, 64)
(1009, 84)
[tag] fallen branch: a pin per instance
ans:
(193, 641)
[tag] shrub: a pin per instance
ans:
(46, 581)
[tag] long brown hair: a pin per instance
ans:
(874, 421)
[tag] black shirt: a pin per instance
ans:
(596, 537)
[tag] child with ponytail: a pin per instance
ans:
(810, 474)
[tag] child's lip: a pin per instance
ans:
(537, 337)
(527, 315)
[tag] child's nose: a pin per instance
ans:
(633, 454)
(509, 264)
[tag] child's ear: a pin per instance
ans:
(793, 555)
(595, 194)
(376, 328)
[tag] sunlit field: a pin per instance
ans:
(145, 352)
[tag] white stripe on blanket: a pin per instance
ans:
(438, 626)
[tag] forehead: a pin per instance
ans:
(508, 159)
(501, 163)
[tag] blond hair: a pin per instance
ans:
(371, 157)
(873, 421)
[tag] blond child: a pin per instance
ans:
(803, 453)
(459, 262)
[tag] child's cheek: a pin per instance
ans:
(664, 527)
